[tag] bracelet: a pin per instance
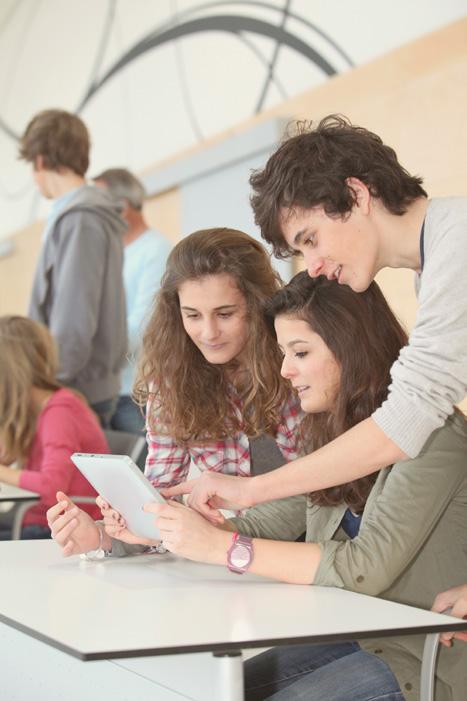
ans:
(99, 553)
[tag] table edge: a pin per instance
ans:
(456, 625)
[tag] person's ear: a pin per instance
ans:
(361, 193)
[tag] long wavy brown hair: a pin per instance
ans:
(189, 396)
(365, 338)
(28, 359)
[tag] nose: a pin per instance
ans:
(287, 368)
(210, 330)
(314, 265)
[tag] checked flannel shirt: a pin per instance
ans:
(168, 463)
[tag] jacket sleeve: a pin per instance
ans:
(58, 440)
(120, 549)
(414, 496)
(79, 269)
(430, 375)
(283, 519)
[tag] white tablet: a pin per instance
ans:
(122, 484)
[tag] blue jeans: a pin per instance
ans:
(127, 416)
(104, 411)
(31, 532)
(334, 672)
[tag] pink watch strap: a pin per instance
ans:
(240, 554)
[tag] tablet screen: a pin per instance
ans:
(122, 484)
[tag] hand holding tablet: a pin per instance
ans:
(121, 483)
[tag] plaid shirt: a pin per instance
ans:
(168, 463)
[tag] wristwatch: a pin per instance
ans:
(240, 554)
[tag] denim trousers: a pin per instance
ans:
(127, 416)
(333, 672)
(104, 410)
(31, 532)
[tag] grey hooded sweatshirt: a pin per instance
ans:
(78, 293)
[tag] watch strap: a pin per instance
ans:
(240, 553)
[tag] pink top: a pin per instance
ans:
(66, 425)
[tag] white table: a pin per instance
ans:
(22, 500)
(121, 615)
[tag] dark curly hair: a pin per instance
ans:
(365, 338)
(311, 169)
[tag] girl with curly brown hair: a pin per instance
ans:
(209, 375)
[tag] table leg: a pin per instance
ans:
(229, 675)
(20, 510)
(427, 678)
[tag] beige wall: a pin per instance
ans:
(17, 270)
(163, 213)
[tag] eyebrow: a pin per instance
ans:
(298, 237)
(293, 343)
(216, 309)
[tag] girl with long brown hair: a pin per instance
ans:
(41, 423)
(209, 372)
(398, 534)
(210, 368)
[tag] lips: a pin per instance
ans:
(335, 274)
(301, 388)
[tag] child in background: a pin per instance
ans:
(41, 424)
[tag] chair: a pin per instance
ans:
(123, 443)
(427, 679)
(120, 443)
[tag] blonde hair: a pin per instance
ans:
(190, 397)
(28, 358)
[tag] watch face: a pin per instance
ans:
(240, 556)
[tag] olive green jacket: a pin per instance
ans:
(411, 545)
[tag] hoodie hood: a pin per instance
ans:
(97, 200)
